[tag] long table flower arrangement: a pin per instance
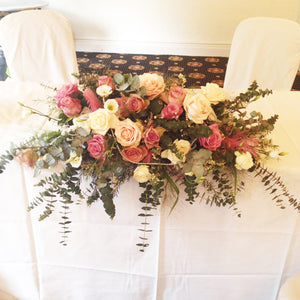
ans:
(113, 128)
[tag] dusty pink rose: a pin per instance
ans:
(240, 142)
(153, 83)
(148, 157)
(106, 80)
(123, 111)
(214, 141)
(93, 102)
(172, 111)
(96, 146)
(134, 154)
(128, 133)
(28, 157)
(70, 106)
(66, 91)
(152, 136)
(135, 103)
(176, 94)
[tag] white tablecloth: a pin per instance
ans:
(196, 253)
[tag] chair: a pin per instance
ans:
(38, 46)
(290, 290)
(266, 50)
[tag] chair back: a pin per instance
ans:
(266, 50)
(38, 46)
(290, 290)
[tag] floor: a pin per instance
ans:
(198, 69)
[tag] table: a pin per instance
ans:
(196, 253)
(7, 7)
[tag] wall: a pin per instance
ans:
(187, 27)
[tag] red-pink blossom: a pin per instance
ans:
(93, 102)
(240, 142)
(152, 137)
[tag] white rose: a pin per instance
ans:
(101, 121)
(243, 160)
(141, 174)
(197, 107)
(104, 90)
(171, 156)
(214, 93)
(74, 160)
(183, 146)
(111, 105)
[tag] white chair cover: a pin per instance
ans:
(290, 290)
(266, 50)
(38, 46)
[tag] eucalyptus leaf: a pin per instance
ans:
(135, 83)
(118, 78)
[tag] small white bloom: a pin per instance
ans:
(141, 174)
(274, 154)
(243, 161)
(26, 112)
(111, 105)
(74, 160)
(104, 90)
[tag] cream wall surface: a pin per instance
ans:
(193, 27)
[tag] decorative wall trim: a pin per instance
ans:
(130, 47)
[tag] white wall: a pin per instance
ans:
(190, 27)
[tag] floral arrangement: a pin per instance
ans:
(109, 129)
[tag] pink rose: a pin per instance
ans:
(96, 146)
(152, 136)
(66, 91)
(135, 103)
(70, 106)
(172, 111)
(153, 83)
(106, 80)
(92, 100)
(134, 154)
(128, 133)
(177, 95)
(214, 141)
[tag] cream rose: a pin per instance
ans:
(101, 121)
(128, 133)
(171, 156)
(213, 93)
(197, 107)
(243, 161)
(141, 174)
(183, 146)
(153, 83)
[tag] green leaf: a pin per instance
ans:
(118, 78)
(135, 83)
(156, 106)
